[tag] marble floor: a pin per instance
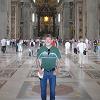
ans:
(19, 81)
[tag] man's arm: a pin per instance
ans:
(38, 63)
(58, 63)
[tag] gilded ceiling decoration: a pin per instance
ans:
(46, 7)
(50, 2)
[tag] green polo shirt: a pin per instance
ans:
(48, 61)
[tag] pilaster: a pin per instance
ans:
(78, 19)
(15, 22)
(66, 14)
(92, 19)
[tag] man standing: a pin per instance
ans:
(3, 45)
(81, 47)
(67, 47)
(47, 60)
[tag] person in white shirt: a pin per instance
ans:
(87, 43)
(81, 47)
(8, 42)
(67, 47)
(3, 45)
(31, 47)
(20, 47)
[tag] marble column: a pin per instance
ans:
(61, 34)
(76, 33)
(66, 14)
(92, 19)
(26, 20)
(31, 31)
(15, 19)
(60, 23)
(3, 18)
(54, 34)
(21, 19)
(34, 25)
(38, 25)
(78, 19)
(84, 19)
(9, 19)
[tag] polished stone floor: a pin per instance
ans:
(19, 81)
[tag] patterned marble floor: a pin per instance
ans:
(19, 81)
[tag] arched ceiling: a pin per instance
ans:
(51, 3)
(46, 7)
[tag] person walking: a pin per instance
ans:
(48, 59)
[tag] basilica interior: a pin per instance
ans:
(64, 19)
(67, 19)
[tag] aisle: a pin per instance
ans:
(18, 79)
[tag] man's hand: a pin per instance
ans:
(40, 73)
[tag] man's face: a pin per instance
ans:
(48, 41)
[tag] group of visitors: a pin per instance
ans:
(77, 47)
(48, 57)
(81, 47)
(96, 45)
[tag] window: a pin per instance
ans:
(34, 1)
(58, 1)
(33, 17)
(58, 17)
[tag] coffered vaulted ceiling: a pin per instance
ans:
(46, 7)
(50, 2)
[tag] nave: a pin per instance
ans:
(19, 81)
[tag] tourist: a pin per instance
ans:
(48, 63)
